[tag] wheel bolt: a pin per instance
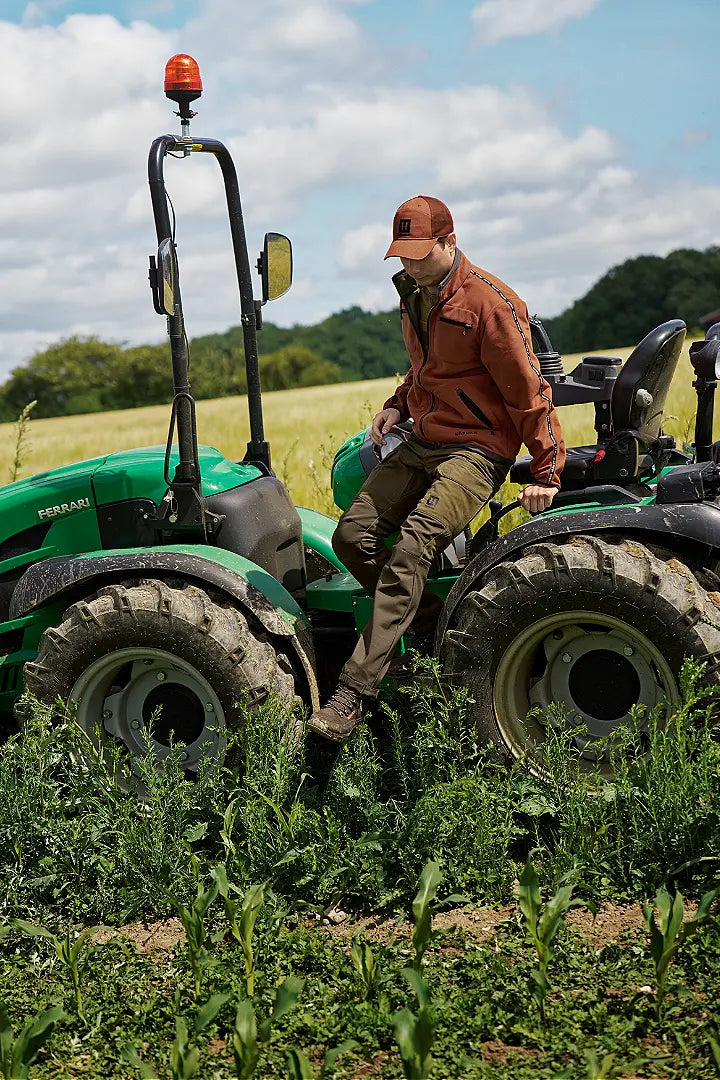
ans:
(161, 676)
(628, 650)
(107, 714)
(135, 724)
(566, 658)
(557, 634)
(209, 707)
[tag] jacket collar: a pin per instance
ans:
(457, 274)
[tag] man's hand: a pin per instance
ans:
(536, 497)
(382, 422)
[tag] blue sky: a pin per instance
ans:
(566, 135)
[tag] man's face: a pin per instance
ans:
(435, 266)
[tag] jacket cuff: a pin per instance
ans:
(394, 403)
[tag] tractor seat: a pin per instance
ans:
(577, 465)
(636, 401)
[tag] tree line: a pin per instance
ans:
(81, 375)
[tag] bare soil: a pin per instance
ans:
(481, 923)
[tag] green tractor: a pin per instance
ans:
(158, 589)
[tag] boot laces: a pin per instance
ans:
(344, 701)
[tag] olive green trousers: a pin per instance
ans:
(428, 496)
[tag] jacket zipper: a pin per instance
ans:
(474, 409)
(457, 322)
(416, 328)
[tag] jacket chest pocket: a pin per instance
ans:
(462, 324)
(454, 338)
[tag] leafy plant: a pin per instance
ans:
(542, 923)
(415, 1032)
(184, 1058)
(68, 949)
(430, 879)
(242, 919)
(248, 1034)
(18, 1054)
(193, 920)
(299, 1068)
(666, 937)
(362, 959)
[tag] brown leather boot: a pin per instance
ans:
(338, 719)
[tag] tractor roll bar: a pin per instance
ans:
(257, 449)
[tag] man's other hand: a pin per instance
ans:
(382, 422)
(536, 497)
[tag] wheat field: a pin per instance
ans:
(304, 426)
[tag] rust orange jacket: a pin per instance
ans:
(479, 383)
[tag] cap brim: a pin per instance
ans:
(410, 249)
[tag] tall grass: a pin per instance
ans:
(354, 828)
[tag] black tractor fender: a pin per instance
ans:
(691, 530)
(68, 578)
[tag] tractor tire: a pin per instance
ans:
(579, 631)
(148, 666)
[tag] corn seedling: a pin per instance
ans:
(415, 1032)
(68, 949)
(299, 1068)
(670, 933)
(362, 959)
(715, 1052)
(242, 919)
(21, 443)
(599, 1070)
(248, 1035)
(183, 1057)
(542, 923)
(231, 812)
(422, 930)
(18, 1054)
(193, 920)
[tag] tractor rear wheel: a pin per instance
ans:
(580, 631)
(149, 666)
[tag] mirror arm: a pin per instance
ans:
(154, 288)
(187, 471)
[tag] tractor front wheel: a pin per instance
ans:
(578, 633)
(148, 666)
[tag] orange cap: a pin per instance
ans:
(417, 224)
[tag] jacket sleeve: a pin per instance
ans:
(399, 398)
(507, 354)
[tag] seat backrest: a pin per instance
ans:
(639, 393)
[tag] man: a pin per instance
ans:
(475, 394)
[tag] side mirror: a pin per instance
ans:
(275, 266)
(167, 276)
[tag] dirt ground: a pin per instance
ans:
(481, 923)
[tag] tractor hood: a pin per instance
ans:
(131, 474)
(63, 500)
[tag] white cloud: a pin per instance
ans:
(496, 20)
(326, 146)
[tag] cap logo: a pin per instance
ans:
(404, 226)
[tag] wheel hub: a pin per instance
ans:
(586, 671)
(149, 700)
